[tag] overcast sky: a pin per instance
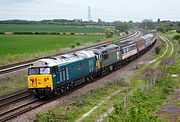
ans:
(108, 10)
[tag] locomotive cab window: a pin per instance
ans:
(33, 71)
(44, 70)
(36, 71)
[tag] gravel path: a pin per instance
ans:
(125, 71)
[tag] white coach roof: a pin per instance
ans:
(64, 59)
(147, 36)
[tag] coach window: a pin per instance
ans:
(124, 50)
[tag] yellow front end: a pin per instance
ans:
(98, 64)
(40, 82)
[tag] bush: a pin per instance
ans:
(78, 43)
(177, 37)
(126, 32)
(161, 29)
(72, 33)
(2, 33)
(28, 33)
(36, 33)
(44, 33)
(109, 33)
(157, 50)
(54, 33)
(178, 30)
(73, 46)
(18, 32)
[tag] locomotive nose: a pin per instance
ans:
(39, 81)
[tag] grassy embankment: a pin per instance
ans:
(14, 48)
(141, 103)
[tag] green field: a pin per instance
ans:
(15, 48)
(47, 28)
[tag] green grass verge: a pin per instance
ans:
(13, 83)
(78, 106)
(47, 28)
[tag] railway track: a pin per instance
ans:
(14, 97)
(22, 65)
(15, 111)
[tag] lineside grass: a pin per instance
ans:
(72, 111)
(47, 28)
(13, 83)
(14, 48)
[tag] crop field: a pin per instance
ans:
(15, 48)
(47, 28)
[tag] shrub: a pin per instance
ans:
(78, 43)
(161, 29)
(72, 46)
(36, 33)
(28, 33)
(177, 37)
(72, 33)
(18, 33)
(44, 33)
(157, 50)
(2, 33)
(109, 33)
(178, 30)
(54, 33)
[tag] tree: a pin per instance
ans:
(161, 29)
(148, 24)
(109, 33)
(99, 20)
(121, 26)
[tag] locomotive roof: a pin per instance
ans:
(147, 36)
(63, 59)
(126, 43)
(105, 48)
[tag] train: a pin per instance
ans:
(50, 77)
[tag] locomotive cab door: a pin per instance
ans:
(55, 74)
(98, 61)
